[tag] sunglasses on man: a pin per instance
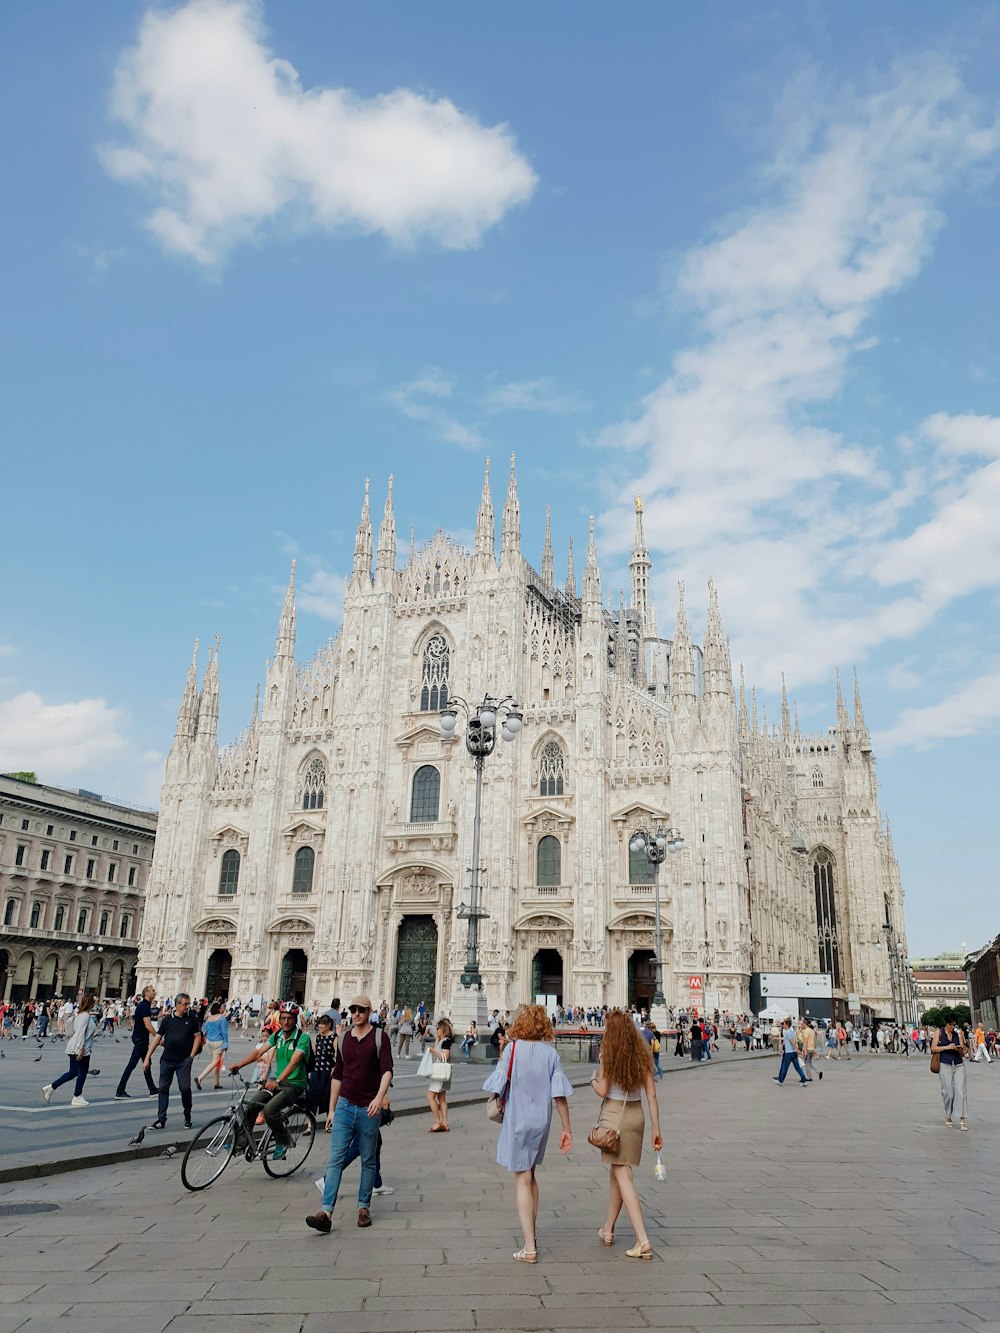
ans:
(358, 1009)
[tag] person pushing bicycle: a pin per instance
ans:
(291, 1075)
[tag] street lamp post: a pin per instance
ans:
(481, 726)
(656, 845)
(891, 962)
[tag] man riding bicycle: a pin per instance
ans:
(291, 1075)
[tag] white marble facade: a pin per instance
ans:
(327, 848)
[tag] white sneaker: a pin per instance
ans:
(321, 1184)
(383, 1189)
(47, 1092)
(79, 1101)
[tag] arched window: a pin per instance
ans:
(124, 928)
(426, 795)
(315, 785)
(102, 928)
(817, 777)
(826, 916)
(81, 921)
(548, 862)
(305, 863)
(552, 770)
(36, 915)
(640, 868)
(57, 924)
(10, 911)
(229, 876)
(434, 675)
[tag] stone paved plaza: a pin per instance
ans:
(843, 1205)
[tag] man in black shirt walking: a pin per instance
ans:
(142, 1030)
(180, 1037)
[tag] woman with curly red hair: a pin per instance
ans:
(626, 1071)
(532, 1068)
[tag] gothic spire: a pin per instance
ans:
(795, 722)
(285, 644)
(486, 522)
(754, 721)
(744, 720)
(363, 542)
(786, 721)
(717, 666)
(570, 572)
(843, 723)
(859, 714)
(385, 560)
(681, 654)
(187, 714)
(621, 640)
(548, 561)
(510, 531)
(640, 565)
(208, 703)
(592, 578)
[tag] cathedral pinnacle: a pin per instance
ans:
(510, 531)
(718, 669)
(363, 541)
(859, 713)
(285, 644)
(385, 560)
(640, 565)
(570, 572)
(548, 561)
(681, 655)
(786, 722)
(486, 523)
(843, 722)
(208, 702)
(187, 714)
(592, 578)
(744, 719)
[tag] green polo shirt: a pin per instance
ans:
(284, 1050)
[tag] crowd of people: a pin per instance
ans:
(339, 1061)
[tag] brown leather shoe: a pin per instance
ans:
(320, 1222)
(364, 1217)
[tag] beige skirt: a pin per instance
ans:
(632, 1126)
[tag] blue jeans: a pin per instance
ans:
(355, 1151)
(350, 1123)
(790, 1058)
(79, 1067)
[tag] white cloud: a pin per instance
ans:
(421, 400)
(965, 434)
(322, 594)
(222, 135)
(6, 649)
(741, 475)
(971, 709)
(540, 395)
(57, 740)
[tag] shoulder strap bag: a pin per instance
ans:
(496, 1102)
(603, 1136)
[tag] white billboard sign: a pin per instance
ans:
(797, 985)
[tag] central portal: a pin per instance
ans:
(416, 963)
(642, 978)
(547, 974)
(294, 966)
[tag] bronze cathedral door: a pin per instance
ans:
(416, 962)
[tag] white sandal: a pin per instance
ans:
(525, 1256)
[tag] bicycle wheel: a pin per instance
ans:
(209, 1153)
(302, 1131)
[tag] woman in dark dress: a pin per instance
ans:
(324, 1055)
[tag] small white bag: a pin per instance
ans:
(426, 1065)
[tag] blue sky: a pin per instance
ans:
(739, 259)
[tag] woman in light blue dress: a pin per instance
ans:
(536, 1081)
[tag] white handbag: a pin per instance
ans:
(426, 1065)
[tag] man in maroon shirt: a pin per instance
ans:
(362, 1073)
